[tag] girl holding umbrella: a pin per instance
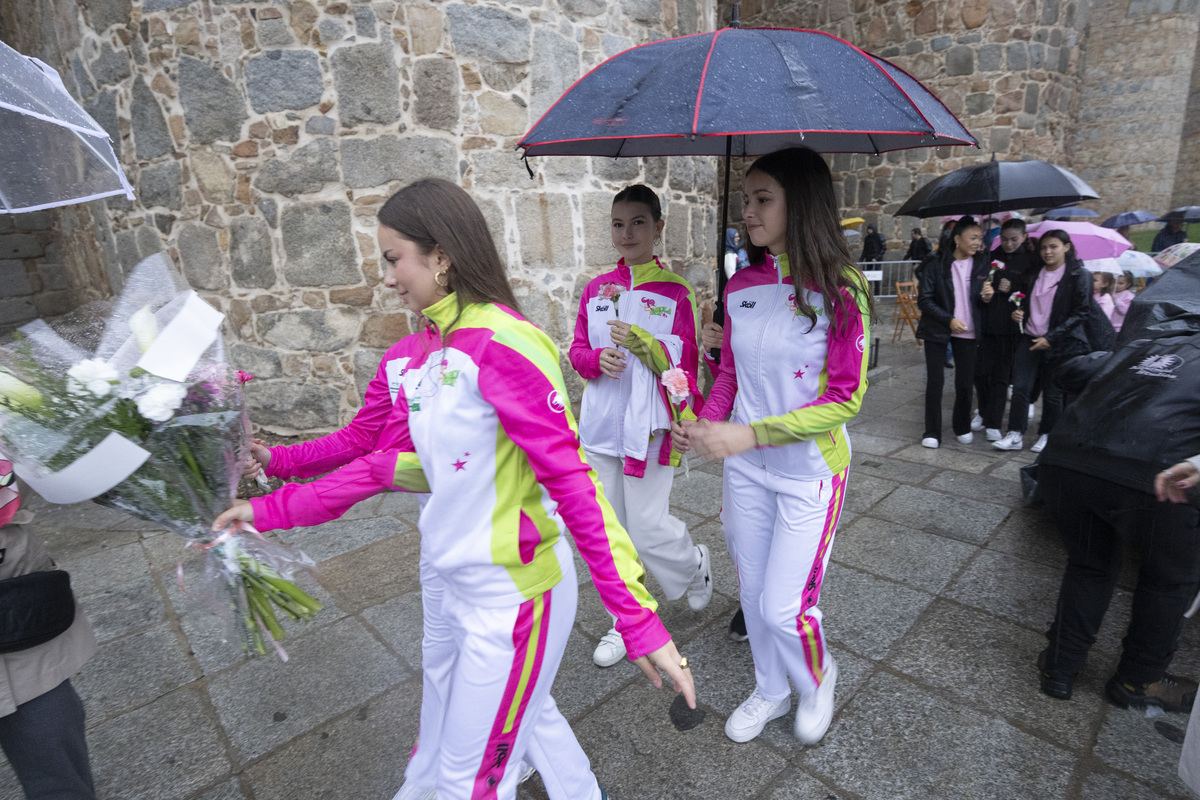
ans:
(1054, 328)
(480, 420)
(793, 372)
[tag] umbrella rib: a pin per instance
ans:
(704, 75)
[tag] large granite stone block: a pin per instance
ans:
(212, 104)
(250, 253)
(368, 84)
(488, 33)
(151, 138)
(266, 702)
(306, 170)
(280, 80)
(203, 262)
(320, 250)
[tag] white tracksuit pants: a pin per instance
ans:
(642, 506)
(780, 533)
(478, 721)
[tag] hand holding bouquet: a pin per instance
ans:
(151, 423)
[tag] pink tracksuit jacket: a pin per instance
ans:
(480, 419)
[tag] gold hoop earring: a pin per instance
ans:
(439, 277)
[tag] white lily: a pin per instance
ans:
(144, 327)
(160, 402)
(18, 392)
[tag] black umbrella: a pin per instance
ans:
(1182, 214)
(997, 186)
(743, 92)
(1128, 218)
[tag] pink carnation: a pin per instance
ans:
(677, 383)
(997, 265)
(244, 377)
(1016, 297)
(611, 291)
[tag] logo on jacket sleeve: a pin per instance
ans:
(556, 401)
(861, 344)
(748, 303)
(1159, 366)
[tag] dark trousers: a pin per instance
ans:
(1094, 517)
(935, 380)
(1028, 367)
(44, 742)
(993, 374)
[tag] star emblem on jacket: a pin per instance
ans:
(460, 465)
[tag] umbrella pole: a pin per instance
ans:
(719, 306)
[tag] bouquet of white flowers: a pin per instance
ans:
(151, 423)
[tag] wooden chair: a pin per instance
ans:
(906, 309)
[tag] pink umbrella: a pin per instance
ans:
(1091, 241)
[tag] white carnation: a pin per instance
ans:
(92, 375)
(159, 404)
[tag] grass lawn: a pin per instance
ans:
(1143, 239)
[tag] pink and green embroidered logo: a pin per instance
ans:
(449, 378)
(414, 405)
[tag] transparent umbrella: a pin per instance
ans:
(51, 152)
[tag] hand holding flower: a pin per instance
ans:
(716, 440)
(612, 362)
(619, 332)
(240, 510)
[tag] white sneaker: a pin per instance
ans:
(815, 712)
(977, 421)
(1040, 444)
(753, 715)
(1010, 391)
(408, 792)
(994, 435)
(610, 650)
(1012, 441)
(699, 591)
(966, 438)
(929, 442)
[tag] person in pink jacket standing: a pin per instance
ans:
(635, 322)
(480, 420)
(793, 373)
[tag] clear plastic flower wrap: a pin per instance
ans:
(151, 422)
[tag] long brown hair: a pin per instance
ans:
(816, 246)
(431, 212)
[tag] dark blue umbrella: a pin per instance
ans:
(743, 92)
(997, 186)
(1068, 212)
(1128, 218)
(1182, 214)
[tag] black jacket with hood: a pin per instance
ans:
(1138, 409)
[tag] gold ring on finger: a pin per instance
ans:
(683, 663)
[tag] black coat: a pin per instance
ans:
(935, 297)
(1069, 312)
(874, 247)
(918, 249)
(1138, 409)
(1019, 269)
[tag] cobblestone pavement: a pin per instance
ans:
(940, 588)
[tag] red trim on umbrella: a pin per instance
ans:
(695, 119)
(736, 133)
(704, 74)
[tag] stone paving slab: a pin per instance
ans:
(935, 602)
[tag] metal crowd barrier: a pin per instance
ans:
(883, 275)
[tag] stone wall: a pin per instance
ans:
(1139, 59)
(262, 138)
(1006, 68)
